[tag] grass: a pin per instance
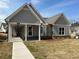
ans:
(5, 48)
(54, 49)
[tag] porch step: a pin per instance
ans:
(16, 39)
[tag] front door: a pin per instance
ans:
(30, 31)
(18, 30)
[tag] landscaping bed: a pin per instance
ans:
(54, 49)
(3, 37)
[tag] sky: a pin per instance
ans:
(46, 8)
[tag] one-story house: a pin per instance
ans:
(26, 22)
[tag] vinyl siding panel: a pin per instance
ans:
(49, 30)
(56, 30)
(25, 16)
(67, 29)
(62, 20)
(35, 30)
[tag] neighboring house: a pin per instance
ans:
(26, 23)
(2, 29)
(75, 28)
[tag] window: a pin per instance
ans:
(41, 29)
(30, 30)
(61, 31)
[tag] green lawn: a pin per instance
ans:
(54, 49)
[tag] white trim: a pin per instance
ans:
(9, 33)
(45, 30)
(25, 23)
(53, 31)
(69, 30)
(25, 32)
(34, 14)
(37, 13)
(39, 34)
(61, 25)
(61, 32)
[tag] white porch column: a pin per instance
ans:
(69, 30)
(39, 34)
(25, 32)
(9, 33)
(45, 30)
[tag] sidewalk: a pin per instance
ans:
(20, 51)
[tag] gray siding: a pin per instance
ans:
(49, 30)
(67, 29)
(56, 30)
(35, 30)
(62, 20)
(25, 16)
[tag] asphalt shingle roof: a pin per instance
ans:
(53, 19)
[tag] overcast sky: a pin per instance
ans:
(46, 8)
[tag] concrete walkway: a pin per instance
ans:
(16, 39)
(20, 51)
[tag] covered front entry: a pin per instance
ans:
(24, 31)
(17, 30)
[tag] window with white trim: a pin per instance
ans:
(61, 31)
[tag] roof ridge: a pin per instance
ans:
(56, 15)
(53, 19)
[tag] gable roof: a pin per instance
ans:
(53, 19)
(0, 25)
(4, 25)
(34, 11)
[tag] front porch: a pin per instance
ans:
(24, 31)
